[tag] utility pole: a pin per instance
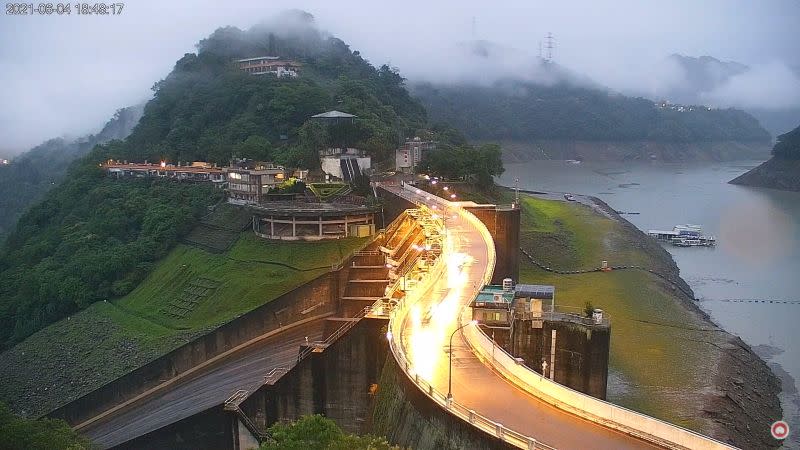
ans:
(549, 46)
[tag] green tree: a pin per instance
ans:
(17, 433)
(254, 147)
(361, 185)
(319, 433)
(465, 162)
(291, 186)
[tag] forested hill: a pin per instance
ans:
(523, 110)
(782, 171)
(95, 238)
(207, 110)
(31, 174)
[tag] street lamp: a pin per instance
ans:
(450, 370)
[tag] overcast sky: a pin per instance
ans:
(66, 75)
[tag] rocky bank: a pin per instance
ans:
(783, 174)
(745, 399)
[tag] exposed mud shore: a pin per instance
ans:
(745, 400)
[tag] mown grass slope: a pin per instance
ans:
(663, 353)
(190, 292)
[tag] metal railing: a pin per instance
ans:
(335, 335)
(232, 405)
(232, 402)
(475, 419)
(603, 413)
(272, 376)
(396, 320)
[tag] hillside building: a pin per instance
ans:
(344, 163)
(264, 65)
(196, 171)
(410, 154)
(249, 181)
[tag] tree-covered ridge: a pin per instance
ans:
(788, 145)
(94, 238)
(36, 171)
(206, 109)
(521, 110)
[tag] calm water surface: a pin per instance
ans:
(757, 257)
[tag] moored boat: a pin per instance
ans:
(684, 236)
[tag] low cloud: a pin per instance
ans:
(67, 75)
(771, 86)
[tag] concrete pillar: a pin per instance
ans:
(320, 226)
(272, 226)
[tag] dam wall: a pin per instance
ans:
(317, 297)
(336, 381)
(503, 223)
(580, 357)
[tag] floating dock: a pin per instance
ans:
(684, 236)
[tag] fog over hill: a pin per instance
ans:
(52, 89)
(771, 92)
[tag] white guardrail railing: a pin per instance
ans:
(396, 325)
(604, 413)
(601, 412)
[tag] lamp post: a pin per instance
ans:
(450, 370)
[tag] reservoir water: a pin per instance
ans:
(744, 281)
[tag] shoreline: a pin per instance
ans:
(743, 399)
(744, 377)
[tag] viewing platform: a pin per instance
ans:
(311, 221)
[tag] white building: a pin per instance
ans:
(344, 163)
(264, 65)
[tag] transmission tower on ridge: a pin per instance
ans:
(549, 46)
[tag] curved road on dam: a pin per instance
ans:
(426, 330)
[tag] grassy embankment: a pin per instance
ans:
(190, 292)
(663, 351)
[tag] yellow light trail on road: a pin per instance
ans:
(427, 339)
